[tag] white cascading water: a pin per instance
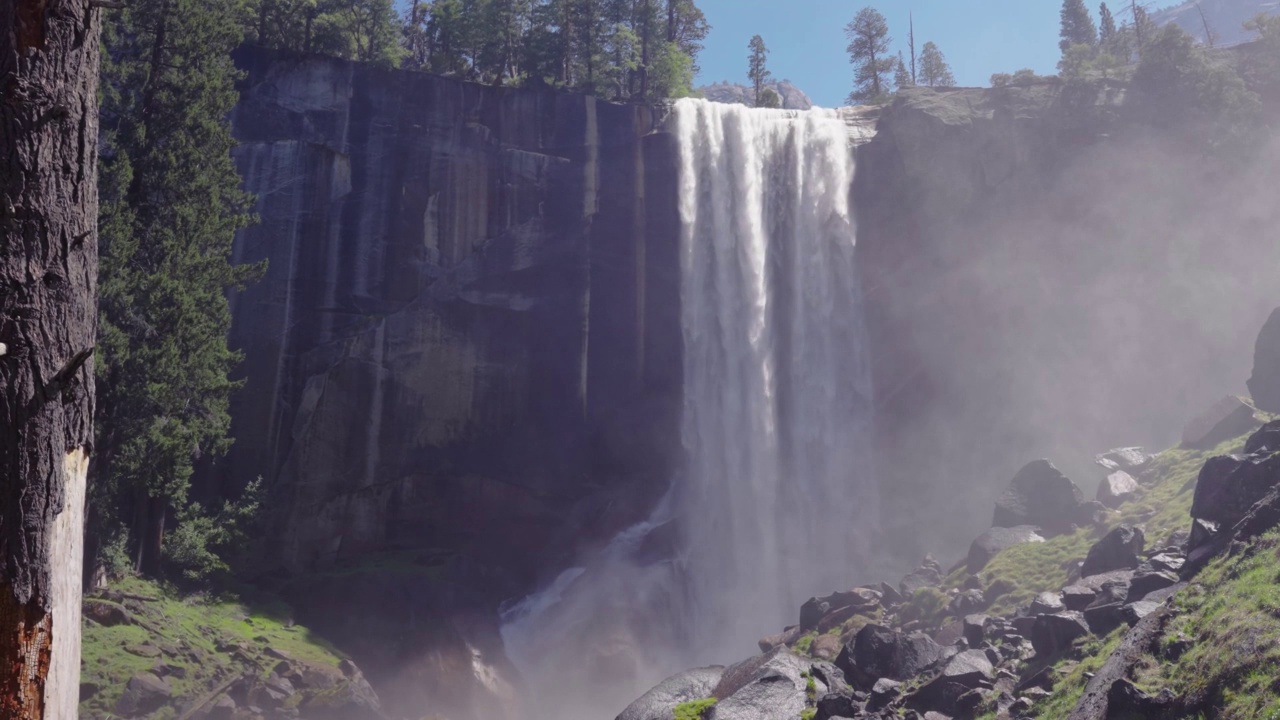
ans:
(776, 502)
(777, 387)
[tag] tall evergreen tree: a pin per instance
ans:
(1106, 26)
(934, 70)
(757, 70)
(868, 48)
(171, 205)
(1077, 26)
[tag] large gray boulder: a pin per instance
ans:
(1229, 485)
(1039, 495)
(965, 671)
(1129, 459)
(881, 652)
(1265, 383)
(1117, 550)
(1116, 489)
(145, 693)
(990, 543)
(774, 685)
(660, 702)
(1051, 635)
(1267, 439)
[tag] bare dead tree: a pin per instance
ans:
(1210, 38)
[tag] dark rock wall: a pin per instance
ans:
(1046, 279)
(467, 340)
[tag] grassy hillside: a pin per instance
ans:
(197, 644)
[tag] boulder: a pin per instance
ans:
(990, 543)
(1131, 459)
(889, 595)
(1078, 597)
(1267, 439)
(812, 612)
(350, 699)
(1225, 419)
(1047, 603)
(880, 652)
(835, 705)
(1039, 494)
(1103, 618)
(1053, 634)
(145, 693)
(1229, 485)
(766, 686)
(1117, 550)
(1117, 488)
(883, 692)
(1135, 611)
(960, 674)
(107, 614)
(1146, 582)
(660, 702)
(223, 708)
(927, 575)
(966, 602)
(1265, 383)
(975, 628)
(825, 647)
(786, 637)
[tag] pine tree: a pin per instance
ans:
(868, 35)
(1106, 26)
(1077, 26)
(934, 70)
(902, 75)
(366, 30)
(171, 205)
(757, 71)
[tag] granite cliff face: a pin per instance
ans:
(464, 360)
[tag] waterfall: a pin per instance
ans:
(776, 501)
(779, 500)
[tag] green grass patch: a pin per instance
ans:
(694, 709)
(189, 632)
(1021, 572)
(1232, 616)
(1071, 681)
(804, 644)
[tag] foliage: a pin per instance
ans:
(694, 709)
(868, 35)
(170, 207)
(1177, 82)
(934, 70)
(201, 543)
(805, 642)
(902, 75)
(1025, 76)
(757, 70)
(1077, 26)
(624, 49)
(927, 605)
(1261, 66)
(365, 30)
(769, 98)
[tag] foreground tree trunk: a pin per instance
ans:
(48, 272)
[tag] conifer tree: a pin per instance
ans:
(1077, 26)
(934, 70)
(902, 75)
(868, 48)
(171, 205)
(757, 70)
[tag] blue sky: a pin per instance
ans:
(806, 38)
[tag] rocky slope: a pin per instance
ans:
(793, 98)
(1155, 600)
(148, 653)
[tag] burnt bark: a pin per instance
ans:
(48, 271)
